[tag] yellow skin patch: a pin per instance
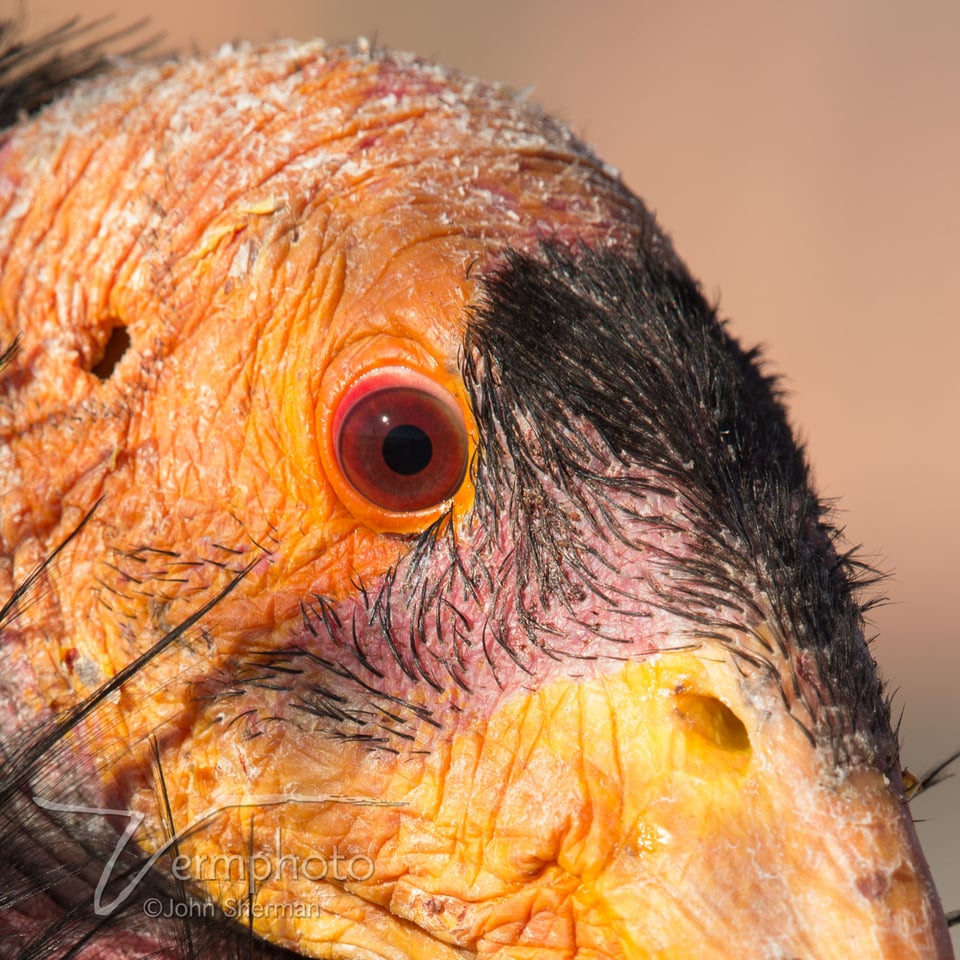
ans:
(586, 819)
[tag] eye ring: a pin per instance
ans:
(400, 440)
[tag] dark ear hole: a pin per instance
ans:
(116, 347)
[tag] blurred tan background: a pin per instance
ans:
(806, 159)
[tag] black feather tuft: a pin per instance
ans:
(584, 359)
(34, 72)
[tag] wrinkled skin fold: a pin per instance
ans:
(610, 698)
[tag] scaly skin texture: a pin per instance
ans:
(268, 225)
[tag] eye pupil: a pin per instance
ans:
(407, 450)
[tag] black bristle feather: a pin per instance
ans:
(34, 72)
(566, 336)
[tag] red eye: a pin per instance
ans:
(401, 440)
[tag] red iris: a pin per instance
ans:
(401, 440)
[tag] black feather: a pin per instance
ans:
(601, 357)
(36, 71)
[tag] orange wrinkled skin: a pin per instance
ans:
(267, 226)
(259, 258)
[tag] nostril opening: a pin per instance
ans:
(713, 720)
(113, 352)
